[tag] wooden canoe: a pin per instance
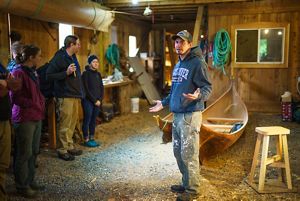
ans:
(223, 122)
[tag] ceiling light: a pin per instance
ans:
(147, 11)
(134, 2)
(266, 31)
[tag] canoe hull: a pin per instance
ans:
(229, 109)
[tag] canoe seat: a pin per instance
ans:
(224, 120)
(218, 126)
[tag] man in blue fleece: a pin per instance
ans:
(190, 88)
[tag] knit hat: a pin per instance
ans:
(184, 35)
(91, 58)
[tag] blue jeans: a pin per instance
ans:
(27, 145)
(91, 112)
(185, 131)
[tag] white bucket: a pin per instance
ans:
(135, 105)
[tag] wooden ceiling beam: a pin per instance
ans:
(128, 3)
(164, 11)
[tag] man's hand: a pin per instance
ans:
(71, 69)
(157, 107)
(193, 96)
(98, 103)
(3, 83)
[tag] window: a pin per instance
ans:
(259, 45)
(132, 46)
(64, 30)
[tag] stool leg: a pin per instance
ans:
(287, 162)
(255, 158)
(263, 166)
(279, 152)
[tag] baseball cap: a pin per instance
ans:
(184, 35)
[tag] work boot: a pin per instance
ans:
(75, 152)
(187, 197)
(66, 156)
(27, 193)
(37, 187)
(177, 189)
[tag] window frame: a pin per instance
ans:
(259, 26)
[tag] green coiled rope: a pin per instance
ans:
(221, 50)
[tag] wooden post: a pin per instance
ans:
(197, 25)
(52, 124)
(171, 53)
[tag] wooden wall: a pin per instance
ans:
(259, 88)
(45, 35)
(88, 48)
(42, 34)
(127, 26)
(4, 43)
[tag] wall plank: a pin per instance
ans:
(36, 32)
(4, 42)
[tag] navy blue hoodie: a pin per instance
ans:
(188, 75)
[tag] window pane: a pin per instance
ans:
(246, 45)
(64, 30)
(271, 41)
(132, 46)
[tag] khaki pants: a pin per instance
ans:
(5, 148)
(68, 117)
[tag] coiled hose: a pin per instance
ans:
(221, 50)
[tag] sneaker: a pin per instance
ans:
(187, 197)
(27, 193)
(37, 187)
(177, 189)
(94, 143)
(75, 152)
(66, 156)
(89, 144)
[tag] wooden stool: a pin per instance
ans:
(280, 160)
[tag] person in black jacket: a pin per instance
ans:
(64, 71)
(6, 83)
(93, 86)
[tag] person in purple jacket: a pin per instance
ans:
(28, 106)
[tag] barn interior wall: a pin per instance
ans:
(127, 26)
(45, 35)
(259, 88)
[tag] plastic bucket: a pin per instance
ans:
(135, 105)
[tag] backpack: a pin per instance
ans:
(46, 86)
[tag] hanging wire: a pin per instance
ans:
(221, 50)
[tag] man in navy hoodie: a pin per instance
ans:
(64, 71)
(190, 88)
